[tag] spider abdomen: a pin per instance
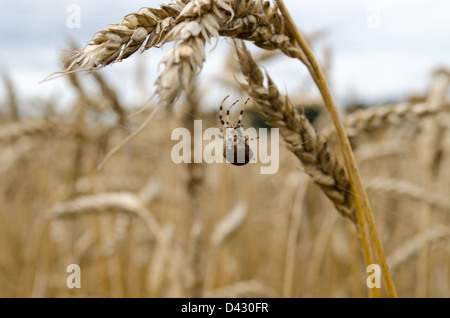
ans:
(237, 154)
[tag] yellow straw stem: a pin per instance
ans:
(363, 210)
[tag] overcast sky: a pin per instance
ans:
(381, 50)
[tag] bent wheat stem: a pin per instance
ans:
(363, 209)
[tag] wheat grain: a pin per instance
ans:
(195, 178)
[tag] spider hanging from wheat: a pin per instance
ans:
(236, 149)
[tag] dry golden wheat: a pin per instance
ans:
(228, 225)
(119, 202)
(186, 246)
(35, 127)
(190, 25)
(12, 103)
(412, 246)
(376, 117)
(252, 288)
(299, 135)
(403, 188)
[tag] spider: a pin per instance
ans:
(235, 144)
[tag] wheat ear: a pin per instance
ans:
(404, 188)
(377, 117)
(412, 246)
(299, 135)
(190, 24)
(35, 127)
(119, 202)
(12, 99)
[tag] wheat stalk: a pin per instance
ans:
(299, 135)
(297, 213)
(223, 231)
(120, 202)
(111, 97)
(194, 182)
(128, 203)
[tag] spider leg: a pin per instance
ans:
(242, 112)
(221, 111)
(228, 112)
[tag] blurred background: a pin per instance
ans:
(145, 227)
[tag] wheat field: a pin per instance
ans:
(140, 225)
